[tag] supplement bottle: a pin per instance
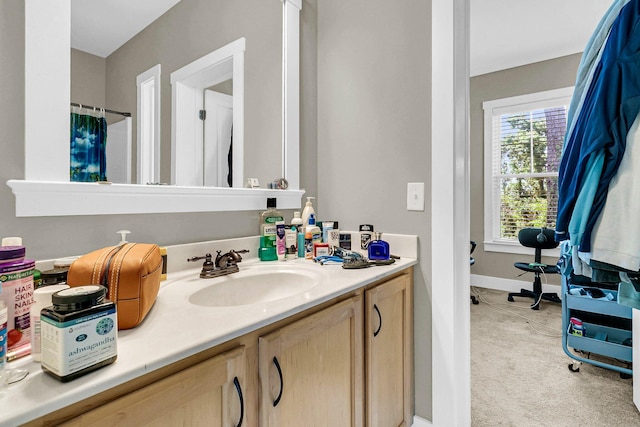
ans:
(79, 332)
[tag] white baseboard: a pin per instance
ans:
(420, 422)
(508, 285)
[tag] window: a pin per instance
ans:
(523, 138)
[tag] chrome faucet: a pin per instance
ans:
(223, 265)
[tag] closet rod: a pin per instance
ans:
(73, 104)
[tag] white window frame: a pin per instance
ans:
(528, 102)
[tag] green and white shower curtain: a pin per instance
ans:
(88, 148)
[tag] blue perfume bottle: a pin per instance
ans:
(378, 248)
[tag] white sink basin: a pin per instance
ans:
(256, 284)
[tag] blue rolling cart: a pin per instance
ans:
(606, 329)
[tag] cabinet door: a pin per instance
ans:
(202, 395)
(388, 347)
(311, 371)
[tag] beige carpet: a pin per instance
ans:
(520, 376)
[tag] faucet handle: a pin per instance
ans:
(207, 265)
(236, 254)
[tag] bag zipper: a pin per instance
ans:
(104, 275)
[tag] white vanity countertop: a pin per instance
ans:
(175, 329)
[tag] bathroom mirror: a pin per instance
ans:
(47, 35)
(173, 45)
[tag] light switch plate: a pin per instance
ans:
(415, 196)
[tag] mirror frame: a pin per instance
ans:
(46, 190)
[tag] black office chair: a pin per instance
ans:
(472, 261)
(538, 238)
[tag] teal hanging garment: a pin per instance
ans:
(88, 148)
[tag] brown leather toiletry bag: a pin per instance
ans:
(131, 273)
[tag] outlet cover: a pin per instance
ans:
(415, 196)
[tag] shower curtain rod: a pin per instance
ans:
(73, 104)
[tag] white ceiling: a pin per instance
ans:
(510, 33)
(504, 33)
(102, 26)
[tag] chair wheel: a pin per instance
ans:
(572, 369)
(510, 298)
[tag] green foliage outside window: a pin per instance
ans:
(530, 150)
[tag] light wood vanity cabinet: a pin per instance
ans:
(207, 394)
(346, 362)
(388, 353)
(311, 370)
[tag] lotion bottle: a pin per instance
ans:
(316, 233)
(307, 211)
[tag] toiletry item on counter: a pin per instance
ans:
(327, 226)
(313, 236)
(55, 276)
(163, 254)
(297, 220)
(268, 221)
(333, 237)
(378, 249)
(16, 281)
(291, 241)
(298, 223)
(316, 233)
(79, 332)
(266, 253)
(301, 244)
(42, 299)
(320, 249)
(345, 241)
(308, 245)
(123, 236)
(11, 241)
(281, 247)
(9, 375)
(3, 341)
(307, 211)
(64, 262)
(366, 234)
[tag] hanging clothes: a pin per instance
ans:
(612, 243)
(590, 58)
(594, 149)
(88, 148)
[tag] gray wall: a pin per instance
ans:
(374, 68)
(541, 76)
(88, 79)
